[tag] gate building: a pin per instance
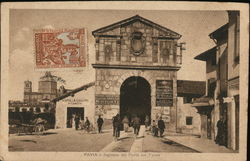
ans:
(136, 70)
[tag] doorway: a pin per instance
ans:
(72, 112)
(135, 98)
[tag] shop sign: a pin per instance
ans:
(106, 99)
(164, 93)
(74, 101)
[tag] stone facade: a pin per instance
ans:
(185, 112)
(233, 88)
(83, 100)
(135, 47)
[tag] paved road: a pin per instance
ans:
(157, 144)
(77, 141)
(61, 140)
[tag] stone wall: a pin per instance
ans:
(83, 99)
(109, 81)
(116, 48)
(186, 110)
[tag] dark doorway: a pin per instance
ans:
(135, 98)
(73, 111)
(237, 121)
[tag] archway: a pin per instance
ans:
(135, 98)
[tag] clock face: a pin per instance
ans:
(137, 43)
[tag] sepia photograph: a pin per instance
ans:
(126, 83)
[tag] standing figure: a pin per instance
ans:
(87, 124)
(221, 126)
(136, 125)
(73, 121)
(77, 121)
(116, 126)
(161, 126)
(100, 123)
(125, 122)
(154, 129)
(146, 122)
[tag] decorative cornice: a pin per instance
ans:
(136, 67)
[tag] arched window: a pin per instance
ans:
(108, 52)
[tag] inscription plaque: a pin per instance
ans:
(164, 93)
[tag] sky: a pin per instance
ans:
(194, 26)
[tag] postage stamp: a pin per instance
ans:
(60, 48)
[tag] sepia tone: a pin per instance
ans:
(130, 90)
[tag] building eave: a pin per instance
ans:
(207, 54)
(99, 31)
(217, 33)
(138, 67)
(71, 93)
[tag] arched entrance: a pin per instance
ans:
(135, 98)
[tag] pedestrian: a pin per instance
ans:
(161, 126)
(125, 122)
(146, 122)
(87, 124)
(77, 121)
(116, 126)
(100, 123)
(154, 129)
(221, 126)
(73, 121)
(136, 125)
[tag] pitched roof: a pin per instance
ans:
(219, 32)
(207, 54)
(191, 88)
(131, 20)
(70, 93)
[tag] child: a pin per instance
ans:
(154, 129)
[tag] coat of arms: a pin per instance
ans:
(137, 43)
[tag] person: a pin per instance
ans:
(100, 123)
(39, 125)
(77, 121)
(116, 126)
(221, 126)
(154, 128)
(87, 124)
(125, 122)
(136, 125)
(161, 126)
(146, 122)
(73, 121)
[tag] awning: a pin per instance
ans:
(203, 101)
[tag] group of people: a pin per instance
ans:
(119, 123)
(158, 127)
(136, 123)
(81, 124)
